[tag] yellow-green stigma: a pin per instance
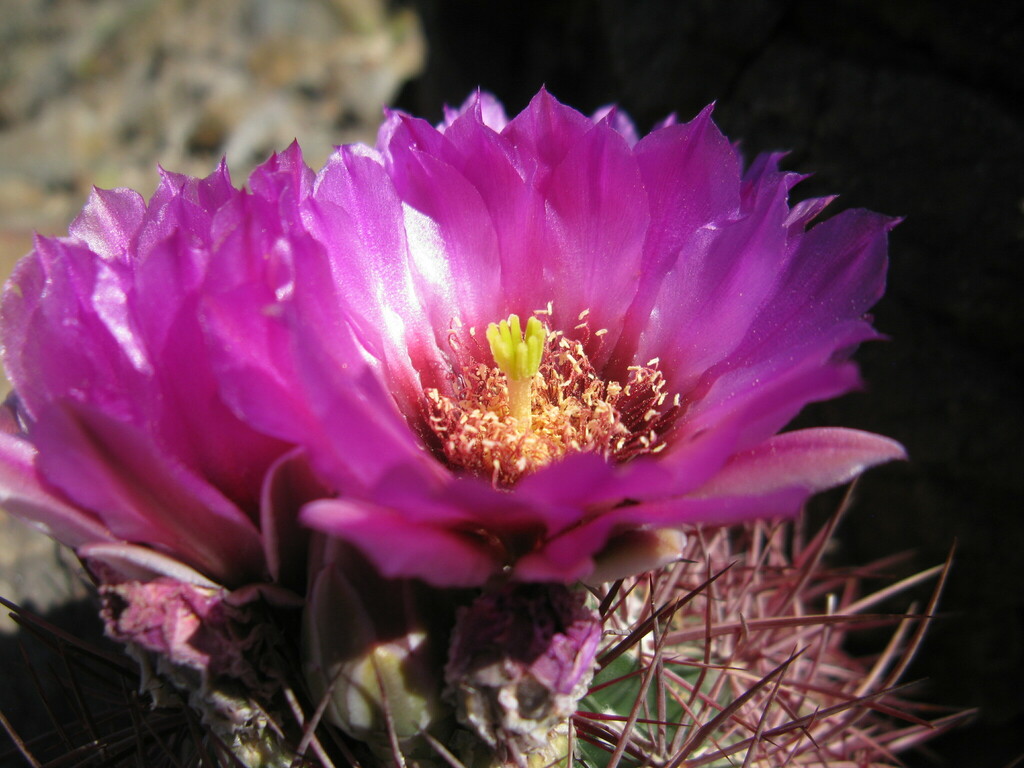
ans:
(518, 356)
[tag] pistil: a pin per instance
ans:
(518, 356)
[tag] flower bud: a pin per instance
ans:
(374, 647)
(520, 660)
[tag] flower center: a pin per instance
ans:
(543, 399)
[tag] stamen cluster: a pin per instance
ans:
(572, 410)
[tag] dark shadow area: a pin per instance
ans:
(37, 688)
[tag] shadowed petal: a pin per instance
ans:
(131, 562)
(814, 459)
(442, 556)
(142, 495)
(288, 484)
(570, 556)
(22, 494)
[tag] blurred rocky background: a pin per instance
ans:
(98, 92)
(909, 107)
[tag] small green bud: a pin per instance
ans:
(373, 654)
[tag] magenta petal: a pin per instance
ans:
(566, 486)
(806, 211)
(484, 108)
(109, 221)
(716, 510)
(360, 205)
(288, 485)
(142, 495)
(441, 556)
(358, 434)
(516, 209)
(186, 206)
(694, 457)
(292, 358)
(134, 563)
(456, 249)
(22, 494)
(357, 216)
(619, 121)
(814, 459)
(769, 395)
(710, 297)
(194, 371)
(543, 134)
(692, 177)
(194, 422)
(599, 218)
(492, 112)
(473, 503)
(250, 347)
(836, 275)
(250, 356)
(570, 556)
(66, 331)
(285, 174)
(763, 182)
(735, 415)
(202, 195)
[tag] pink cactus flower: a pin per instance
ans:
(538, 348)
(117, 440)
